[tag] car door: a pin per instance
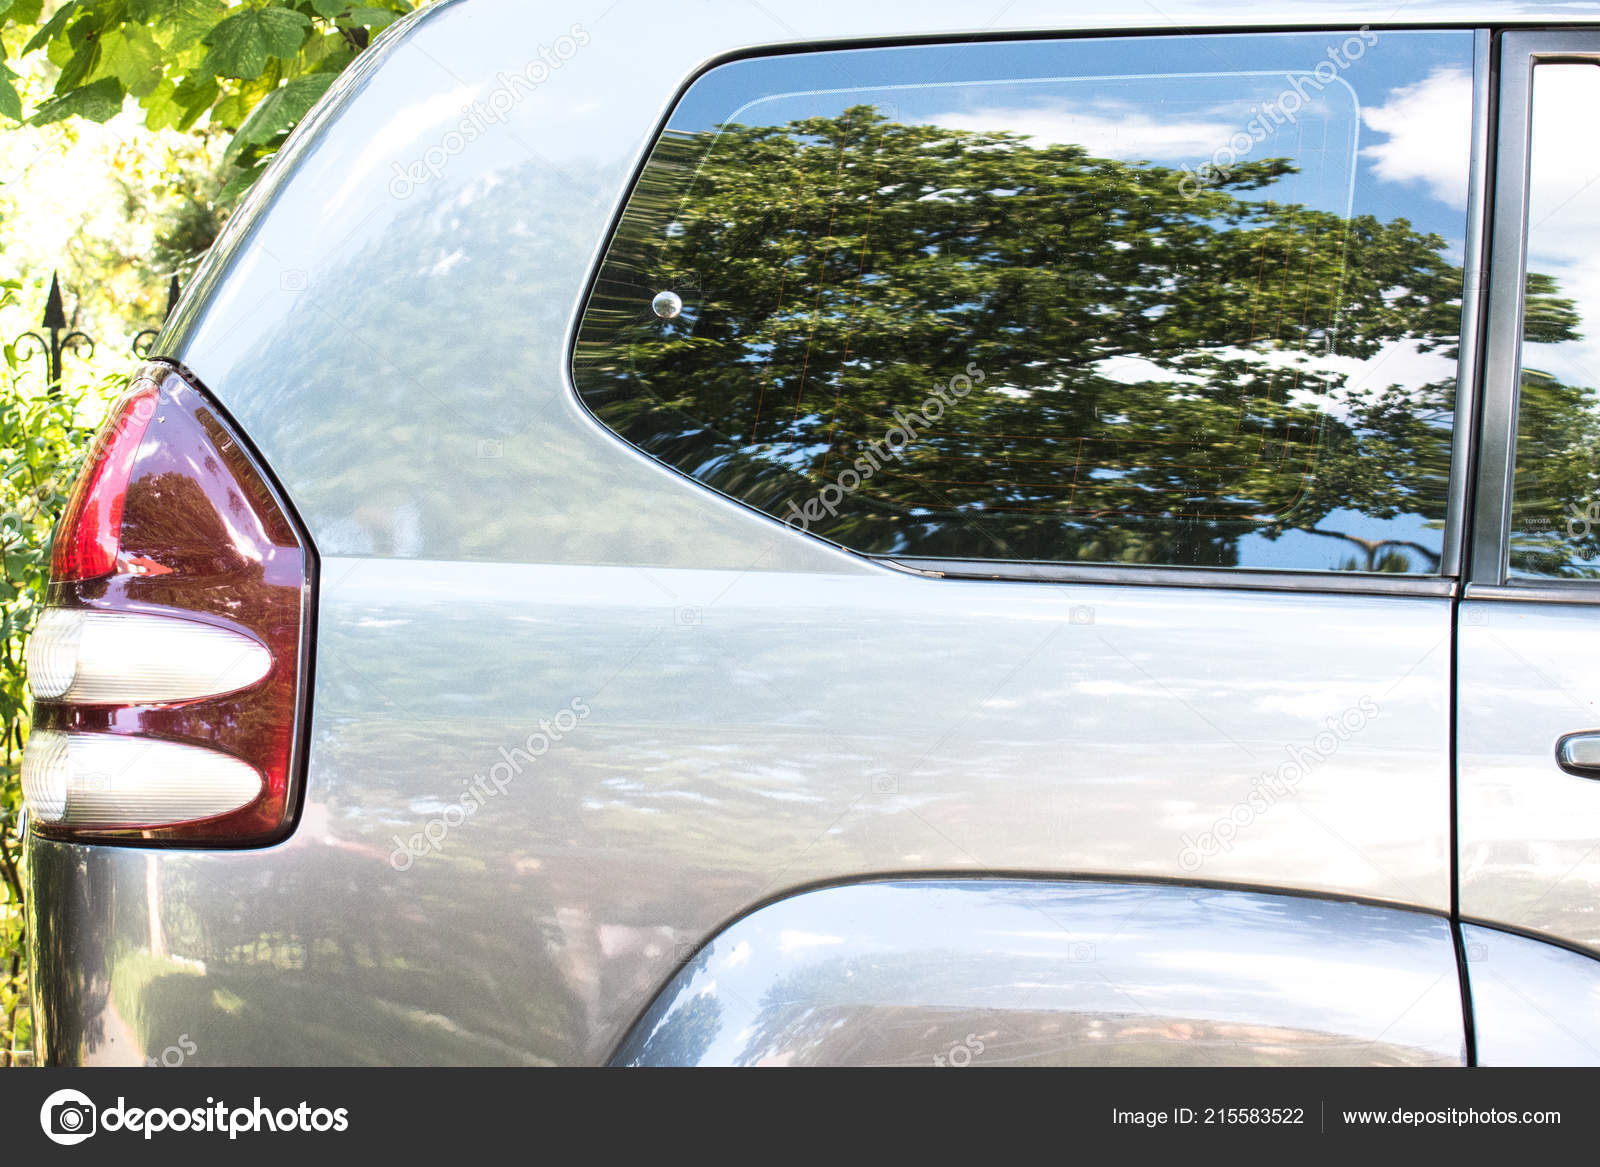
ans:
(1168, 464)
(1528, 699)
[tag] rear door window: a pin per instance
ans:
(1555, 501)
(1164, 301)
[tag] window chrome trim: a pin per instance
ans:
(1536, 591)
(1216, 578)
(1488, 574)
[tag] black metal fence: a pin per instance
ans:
(64, 341)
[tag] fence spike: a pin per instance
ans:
(55, 315)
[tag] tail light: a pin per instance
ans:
(169, 666)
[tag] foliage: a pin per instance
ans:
(114, 209)
(253, 69)
(42, 440)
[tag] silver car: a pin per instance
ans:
(794, 535)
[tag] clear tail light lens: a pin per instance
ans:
(119, 780)
(99, 658)
(169, 668)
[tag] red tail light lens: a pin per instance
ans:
(86, 538)
(170, 665)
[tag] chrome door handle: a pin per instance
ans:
(1579, 753)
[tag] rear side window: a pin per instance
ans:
(1555, 501)
(1166, 301)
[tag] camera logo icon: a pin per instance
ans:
(68, 1117)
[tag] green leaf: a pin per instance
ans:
(5, 6)
(373, 17)
(231, 111)
(59, 51)
(242, 45)
(240, 183)
(336, 60)
(131, 55)
(25, 12)
(161, 110)
(329, 8)
(52, 27)
(80, 68)
(279, 111)
(90, 24)
(10, 100)
(194, 97)
(99, 102)
(177, 24)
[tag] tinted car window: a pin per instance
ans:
(1157, 301)
(1555, 507)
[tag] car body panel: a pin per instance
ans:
(1533, 1003)
(750, 732)
(1528, 829)
(1001, 973)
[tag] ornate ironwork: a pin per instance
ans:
(61, 339)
